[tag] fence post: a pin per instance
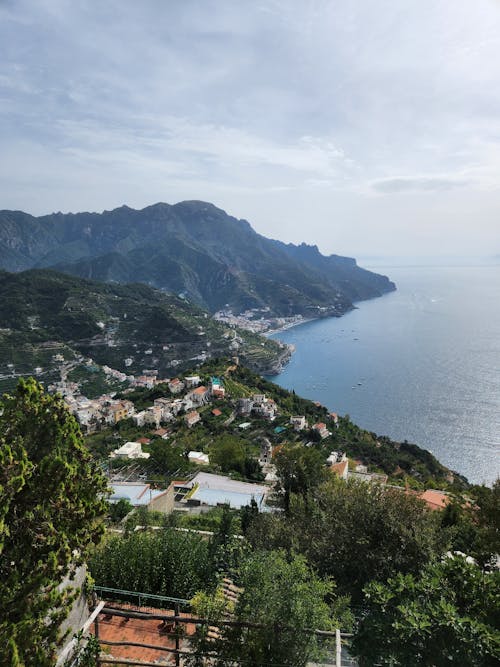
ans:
(338, 649)
(96, 634)
(177, 638)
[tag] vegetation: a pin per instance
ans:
(166, 562)
(44, 313)
(448, 614)
(178, 248)
(51, 505)
(283, 618)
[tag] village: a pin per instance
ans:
(190, 408)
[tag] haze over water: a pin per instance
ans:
(421, 364)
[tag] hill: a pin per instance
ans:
(45, 314)
(191, 248)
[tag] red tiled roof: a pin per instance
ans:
(200, 390)
(144, 441)
(141, 631)
(339, 468)
(216, 412)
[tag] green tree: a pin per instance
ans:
(119, 510)
(354, 532)
(52, 501)
(446, 615)
(284, 598)
(299, 471)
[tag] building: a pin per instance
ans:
(341, 469)
(217, 388)
(143, 495)
(198, 458)
(192, 381)
(299, 423)
(176, 386)
(198, 396)
(130, 450)
(192, 418)
(322, 430)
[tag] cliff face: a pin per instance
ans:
(192, 248)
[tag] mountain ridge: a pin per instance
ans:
(191, 247)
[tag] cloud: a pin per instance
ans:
(422, 184)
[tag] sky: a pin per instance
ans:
(368, 127)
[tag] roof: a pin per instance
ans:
(319, 426)
(199, 390)
(139, 631)
(136, 494)
(340, 468)
(192, 415)
(436, 500)
(144, 441)
(216, 412)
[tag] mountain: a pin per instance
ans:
(45, 314)
(191, 248)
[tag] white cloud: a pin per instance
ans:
(290, 114)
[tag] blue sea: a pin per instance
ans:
(420, 364)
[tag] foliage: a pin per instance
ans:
(165, 562)
(51, 504)
(86, 653)
(472, 521)
(283, 596)
(119, 510)
(354, 532)
(299, 471)
(446, 615)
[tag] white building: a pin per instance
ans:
(130, 450)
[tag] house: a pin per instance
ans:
(341, 469)
(162, 433)
(199, 458)
(165, 405)
(244, 406)
(435, 500)
(151, 416)
(192, 418)
(336, 457)
(198, 396)
(216, 388)
(192, 381)
(335, 418)
(216, 412)
(130, 450)
(322, 430)
(176, 386)
(299, 423)
(121, 410)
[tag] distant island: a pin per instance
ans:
(194, 250)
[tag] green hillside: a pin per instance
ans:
(127, 327)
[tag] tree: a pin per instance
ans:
(354, 532)
(299, 470)
(446, 615)
(281, 599)
(52, 500)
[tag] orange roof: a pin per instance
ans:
(436, 500)
(140, 631)
(319, 426)
(216, 412)
(191, 415)
(160, 431)
(339, 468)
(200, 390)
(144, 441)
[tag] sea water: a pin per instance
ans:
(420, 364)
